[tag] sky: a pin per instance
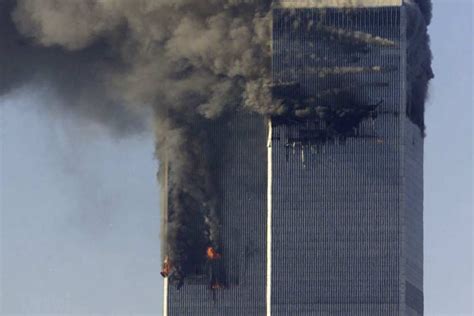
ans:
(79, 206)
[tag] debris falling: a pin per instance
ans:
(188, 63)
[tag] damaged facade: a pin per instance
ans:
(321, 204)
(289, 136)
(347, 173)
(235, 282)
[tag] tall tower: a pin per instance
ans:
(322, 208)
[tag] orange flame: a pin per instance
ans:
(212, 254)
(165, 272)
(216, 286)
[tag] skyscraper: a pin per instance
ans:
(322, 208)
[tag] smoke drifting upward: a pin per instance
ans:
(76, 78)
(186, 61)
(419, 71)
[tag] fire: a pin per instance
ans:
(212, 254)
(216, 286)
(165, 272)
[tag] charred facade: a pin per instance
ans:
(235, 283)
(321, 205)
(347, 173)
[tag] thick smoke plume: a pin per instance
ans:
(419, 71)
(188, 61)
(185, 61)
(77, 78)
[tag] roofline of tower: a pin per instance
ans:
(295, 4)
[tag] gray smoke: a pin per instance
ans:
(187, 62)
(76, 78)
(426, 8)
(419, 71)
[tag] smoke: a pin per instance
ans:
(425, 7)
(187, 62)
(77, 78)
(419, 71)
(356, 36)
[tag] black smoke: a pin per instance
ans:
(180, 64)
(419, 57)
(426, 8)
(186, 62)
(75, 77)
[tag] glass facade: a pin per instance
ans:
(346, 207)
(243, 182)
